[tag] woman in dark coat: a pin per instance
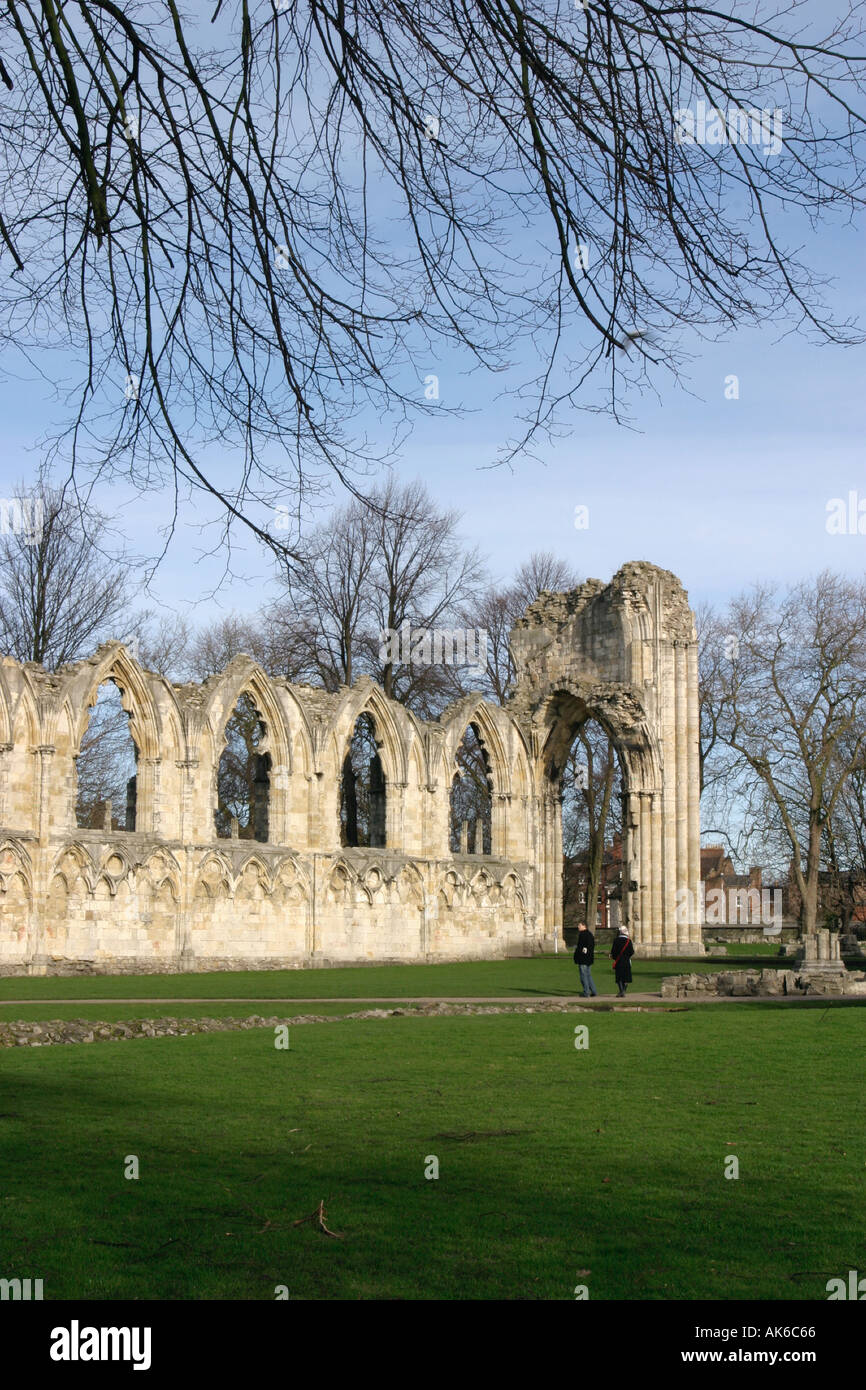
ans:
(621, 953)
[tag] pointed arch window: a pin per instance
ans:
(363, 793)
(589, 786)
(244, 776)
(471, 797)
(106, 765)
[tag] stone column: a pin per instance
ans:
(656, 870)
(432, 846)
(644, 877)
(630, 859)
(45, 753)
(556, 832)
(551, 847)
(667, 704)
(694, 803)
(499, 802)
(395, 807)
(147, 816)
(183, 941)
(279, 780)
(5, 777)
(682, 929)
(188, 828)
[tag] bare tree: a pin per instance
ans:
(500, 606)
(591, 809)
(715, 646)
(542, 573)
(422, 574)
(842, 884)
(590, 779)
(331, 598)
(242, 774)
(733, 802)
(253, 232)
(495, 612)
(162, 643)
(106, 765)
(277, 647)
(61, 591)
(793, 710)
(373, 566)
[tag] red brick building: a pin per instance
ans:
(575, 908)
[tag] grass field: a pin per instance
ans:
(549, 975)
(557, 1166)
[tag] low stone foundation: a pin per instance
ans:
(198, 965)
(770, 983)
(56, 1031)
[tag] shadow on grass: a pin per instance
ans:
(238, 1143)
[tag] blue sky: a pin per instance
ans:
(720, 491)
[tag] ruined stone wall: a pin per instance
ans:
(170, 895)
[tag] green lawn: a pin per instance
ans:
(550, 975)
(552, 1160)
(758, 949)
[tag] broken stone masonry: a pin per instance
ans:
(168, 894)
(818, 970)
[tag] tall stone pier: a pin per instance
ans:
(626, 654)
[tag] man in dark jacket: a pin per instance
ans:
(621, 954)
(584, 955)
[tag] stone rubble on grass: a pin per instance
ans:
(78, 1030)
(753, 983)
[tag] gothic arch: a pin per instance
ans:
(622, 716)
(24, 715)
(623, 653)
(495, 733)
(243, 676)
(114, 663)
(161, 867)
(155, 723)
(14, 860)
(626, 654)
(291, 877)
(5, 705)
(410, 887)
(214, 877)
(485, 718)
(117, 863)
(74, 862)
(393, 725)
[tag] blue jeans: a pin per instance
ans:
(586, 979)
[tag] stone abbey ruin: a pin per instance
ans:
(168, 893)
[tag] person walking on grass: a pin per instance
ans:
(584, 955)
(621, 953)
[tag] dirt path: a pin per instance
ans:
(601, 999)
